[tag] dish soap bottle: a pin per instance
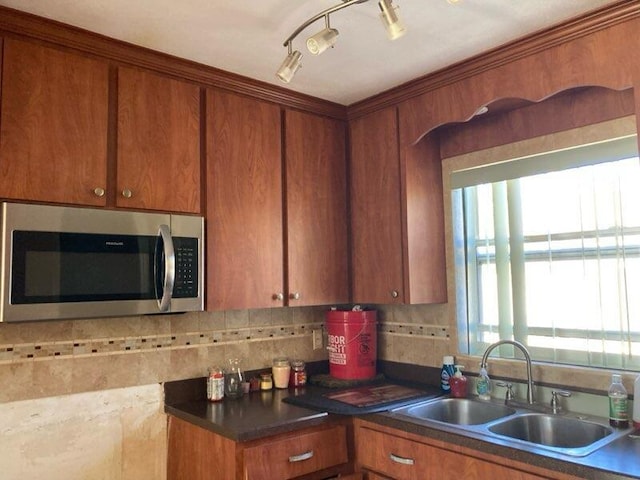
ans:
(483, 384)
(458, 383)
(446, 373)
(618, 411)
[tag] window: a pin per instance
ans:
(547, 252)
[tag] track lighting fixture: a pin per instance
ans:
(322, 40)
(390, 20)
(290, 65)
(327, 37)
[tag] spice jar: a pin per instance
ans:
(265, 381)
(215, 384)
(298, 377)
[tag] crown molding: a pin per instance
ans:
(57, 34)
(573, 29)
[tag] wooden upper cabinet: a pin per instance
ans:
(158, 164)
(397, 215)
(244, 203)
(376, 223)
(53, 125)
(316, 173)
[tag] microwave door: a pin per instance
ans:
(165, 268)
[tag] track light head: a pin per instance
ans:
(290, 66)
(322, 40)
(390, 19)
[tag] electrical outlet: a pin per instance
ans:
(317, 338)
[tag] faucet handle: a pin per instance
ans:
(509, 395)
(554, 399)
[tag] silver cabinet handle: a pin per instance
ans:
(99, 192)
(126, 193)
(294, 296)
(169, 268)
(302, 457)
(401, 460)
(394, 293)
(278, 296)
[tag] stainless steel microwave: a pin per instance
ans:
(67, 262)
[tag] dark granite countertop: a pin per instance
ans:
(255, 415)
(262, 414)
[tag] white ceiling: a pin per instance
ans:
(246, 36)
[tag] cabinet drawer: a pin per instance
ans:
(295, 456)
(403, 459)
(397, 457)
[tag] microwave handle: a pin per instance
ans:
(169, 268)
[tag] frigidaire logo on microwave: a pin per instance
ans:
(115, 244)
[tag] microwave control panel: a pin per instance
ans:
(186, 283)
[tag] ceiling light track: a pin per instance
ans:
(327, 37)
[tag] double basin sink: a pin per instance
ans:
(519, 426)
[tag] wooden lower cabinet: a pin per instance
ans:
(314, 453)
(389, 454)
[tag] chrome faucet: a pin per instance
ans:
(527, 358)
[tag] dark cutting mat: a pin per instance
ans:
(378, 397)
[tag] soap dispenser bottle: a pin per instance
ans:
(483, 384)
(458, 383)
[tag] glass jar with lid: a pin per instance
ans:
(298, 377)
(280, 369)
(266, 383)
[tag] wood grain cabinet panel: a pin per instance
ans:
(316, 192)
(158, 165)
(53, 125)
(296, 456)
(276, 206)
(375, 209)
(244, 203)
(403, 459)
(397, 216)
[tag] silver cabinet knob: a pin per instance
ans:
(278, 296)
(394, 293)
(126, 193)
(294, 296)
(98, 192)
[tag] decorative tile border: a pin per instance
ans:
(414, 329)
(14, 353)
(121, 345)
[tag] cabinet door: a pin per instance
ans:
(53, 125)
(316, 172)
(376, 209)
(158, 143)
(244, 203)
(194, 453)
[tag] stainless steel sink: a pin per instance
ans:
(553, 431)
(523, 426)
(458, 411)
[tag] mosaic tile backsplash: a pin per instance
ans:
(39, 359)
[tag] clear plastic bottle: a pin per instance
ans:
(618, 406)
(483, 384)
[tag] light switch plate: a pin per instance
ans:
(317, 338)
